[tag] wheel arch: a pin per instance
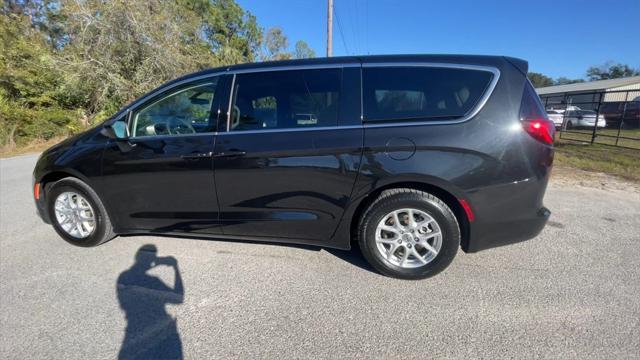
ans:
(445, 195)
(59, 174)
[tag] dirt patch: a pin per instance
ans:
(563, 175)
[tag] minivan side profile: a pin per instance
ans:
(410, 156)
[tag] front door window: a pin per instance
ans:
(186, 111)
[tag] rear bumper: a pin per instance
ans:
(510, 232)
(510, 212)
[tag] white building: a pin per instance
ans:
(612, 87)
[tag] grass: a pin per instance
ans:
(605, 136)
(35, 146)
(617, 161)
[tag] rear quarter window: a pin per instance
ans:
(405, 93)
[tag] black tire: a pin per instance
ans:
(569, 126)
(393, 199)
(103, 231)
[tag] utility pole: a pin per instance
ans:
(329, 28)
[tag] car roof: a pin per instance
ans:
(486, 60)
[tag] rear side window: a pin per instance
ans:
(286, 99)
(404, 93)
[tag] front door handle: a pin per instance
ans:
(197, 156)
(230, 153)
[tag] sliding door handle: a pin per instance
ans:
(197, 156)
(230, 153)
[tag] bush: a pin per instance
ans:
(21, 125)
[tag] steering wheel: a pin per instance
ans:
(177, 126)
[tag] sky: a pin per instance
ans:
(558, 38)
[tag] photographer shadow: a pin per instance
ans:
(151, 333)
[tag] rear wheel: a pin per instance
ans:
(409, 234)
(77, 213)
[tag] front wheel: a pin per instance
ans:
(409, 234)
(77, 213)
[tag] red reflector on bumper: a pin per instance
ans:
(36, 191)
(467, 209)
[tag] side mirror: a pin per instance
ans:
(116, 131)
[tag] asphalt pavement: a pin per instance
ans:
(573, 292)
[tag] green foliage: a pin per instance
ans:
(232, 34)
(611, 71)
(565, 80)
(20, 125)
(29, 85)
(539, 80)
(118, 50)
(602, 72)
(67, 64)
(276, 44)
(303, 51)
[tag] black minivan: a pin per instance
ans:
(410, 156)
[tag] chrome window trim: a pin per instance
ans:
(164, 136)
(472, 113)
(479, 106)
(318, 128)
(231, 90)
(361, 99)
(296, 67)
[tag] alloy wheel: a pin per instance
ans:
(75, 215)
(408, 238)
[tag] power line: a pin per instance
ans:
(344, 43)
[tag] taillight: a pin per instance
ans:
(533, 117)
(542, 130)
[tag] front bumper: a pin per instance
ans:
(41, 206)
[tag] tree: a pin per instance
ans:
(276, 44)
(565, 80)
(29, 85)
(118, 50)
(232, 33)
(303, 51)
(43, 15)
(65, 64)
(539, 80)
(611, 71)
